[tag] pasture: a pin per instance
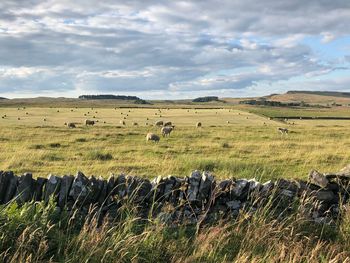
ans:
(231, 142)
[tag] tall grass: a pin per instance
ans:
(36, 232)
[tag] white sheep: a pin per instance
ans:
(152, 137)
(198, 124)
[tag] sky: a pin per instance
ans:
(173, 49)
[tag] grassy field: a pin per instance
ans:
(248, 146)
(231, 143)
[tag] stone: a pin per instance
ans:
(103, 194)
(240, 186)
(193, 187)
(234, 204)
(94, 189)
(5, 178)
(267, 187)
(11, 188)
(25, 188)
(207, 184)
(66, 184)
(52, 187)
(287, 193)
(121, 186)
(169, 183)
(326, 196)
(39, 184)
(318, 179)
(287, 185)
(79, 190)
(158, 188)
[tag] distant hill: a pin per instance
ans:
(108, 97)
(322, 93)
(2, 98)
(206, 99)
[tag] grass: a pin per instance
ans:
(243, 148)
(36, 232)
(248, 146)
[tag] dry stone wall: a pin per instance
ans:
(181, 200)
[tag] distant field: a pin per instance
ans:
(244, 147)
(301, 112)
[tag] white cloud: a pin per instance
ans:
(165, 47)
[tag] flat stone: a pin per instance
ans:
(287, 185)
(207, 184)
(52, 187)
(79, 190)
(234, 204)
(94, 189)
(25, 188)
(66, 184)
(5, 178)
(193, 187)
(11, 187)
(319, 179)
(287, 193)
(121, 185)
(103, 194)
(240, 186)
(326, 196)
(39, 184)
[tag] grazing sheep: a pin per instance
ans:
(71, 125)
(148, 119)
(27, 113)
(159, 123)
(122, 122)
(198, 124)
(167, 130)
(89, 122)
(18, 118)
(228, 122)
(152, 137)
(135, 123)
(58, 110)
(283, 130)
(168, 123)
(44, 119)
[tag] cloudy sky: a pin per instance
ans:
(173, 49)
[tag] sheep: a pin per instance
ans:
(71, 125)
(44, 119)
(135, 124)
(122, 122)
(168, 123)
(228, 122)
(198, 124)
(159, 123)
(89, 122)
(152, 137)
(283, 130)
(167, 130)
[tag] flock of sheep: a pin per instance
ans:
(166, 127)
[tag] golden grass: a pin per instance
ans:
(244, 147)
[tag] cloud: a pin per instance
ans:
(167, 47)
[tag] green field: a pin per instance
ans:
(236, 142)
(248, 146)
